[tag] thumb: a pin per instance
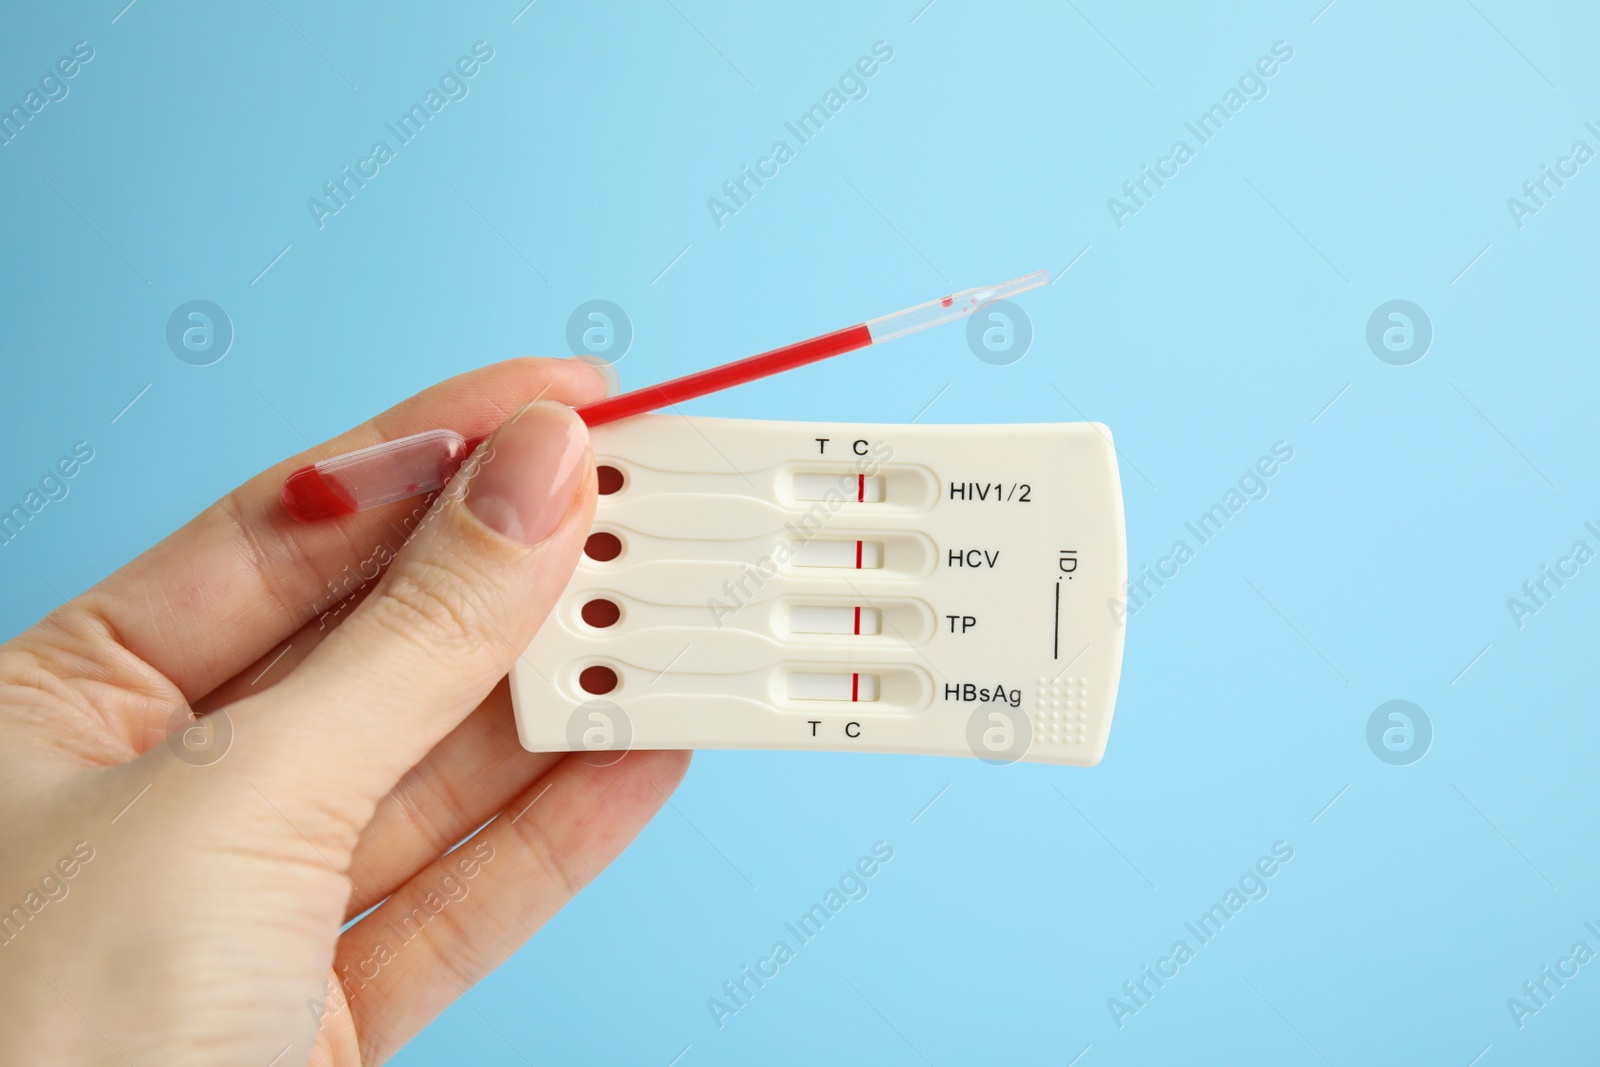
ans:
(456, 608)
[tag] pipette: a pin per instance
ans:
(425, 462)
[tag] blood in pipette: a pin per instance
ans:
(945, 302)
(690, 386)
(311, 496)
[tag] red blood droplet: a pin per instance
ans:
(603, 547)
(597, 680)
(947, 301)
(601, 613)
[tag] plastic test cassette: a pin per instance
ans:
(939, 590)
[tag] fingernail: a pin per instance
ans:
(607, 370)
(530, 471)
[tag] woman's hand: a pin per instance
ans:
(175, 891)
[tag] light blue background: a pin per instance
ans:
(1223, 317)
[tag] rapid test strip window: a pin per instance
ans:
(935, 590)
(861, 488)
(834, 686)
(835, 554)
(854, 620)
